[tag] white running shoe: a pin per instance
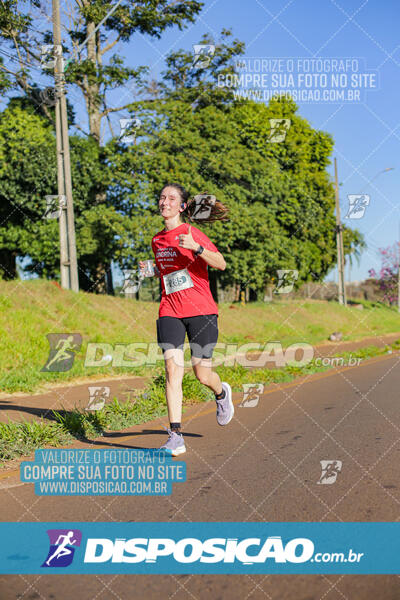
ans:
(225, 408)
(175, 444)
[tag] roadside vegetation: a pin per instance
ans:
(30, 310)
(21, 438)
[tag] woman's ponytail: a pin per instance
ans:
(202, 208)
(205, 208)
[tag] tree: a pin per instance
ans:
(89, 42)
(27, 176)
(193, 131)
(280, 196)
(389, 273)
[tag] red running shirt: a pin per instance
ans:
(169, 257)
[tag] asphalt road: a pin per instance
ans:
(264, 466)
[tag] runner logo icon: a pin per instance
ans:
(62, 351)
(330, 470)
(62, 547)
(286, 280)
(251, 394)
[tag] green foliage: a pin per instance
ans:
(280, 197)
(80, 424)
(28, 173)
(101, 232)
(193, 132)
(19, 439)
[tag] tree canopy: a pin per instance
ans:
(192, 131)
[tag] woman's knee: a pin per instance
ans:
(173, 372)
(173, 364)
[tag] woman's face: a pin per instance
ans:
(170, 202)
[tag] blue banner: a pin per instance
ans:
(60, 472)
(215, 548)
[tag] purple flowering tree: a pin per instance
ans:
(389, 273)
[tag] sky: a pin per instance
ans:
(358, 37)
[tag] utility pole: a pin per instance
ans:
(62, 220)
(68, 261)
(339, 244)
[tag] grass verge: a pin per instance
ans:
(21, 438)
(30, 310)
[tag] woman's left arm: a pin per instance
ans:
(214, 259)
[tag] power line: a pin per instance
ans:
(19, 61)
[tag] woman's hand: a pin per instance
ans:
(187, 241)
(142, 266)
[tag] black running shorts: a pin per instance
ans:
(202, 331)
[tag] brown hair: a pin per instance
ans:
(200, 204)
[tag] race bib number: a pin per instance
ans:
(177, 281)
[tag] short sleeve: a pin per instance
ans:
(202, 239)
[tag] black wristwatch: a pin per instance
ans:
(199, 250)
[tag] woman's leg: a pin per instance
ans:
(170, 337)
(203, 335)
(174, 370)
(202, 368)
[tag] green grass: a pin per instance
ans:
(21, 438)
(29, 310)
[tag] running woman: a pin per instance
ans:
(182, 253)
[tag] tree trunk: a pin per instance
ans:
(212, 276)
(237, 292)
(100, 283)
(253, 296)
(85, 283)
(8, 264)
(110, 283)
(93, 97)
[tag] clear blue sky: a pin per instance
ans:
(366, 133)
